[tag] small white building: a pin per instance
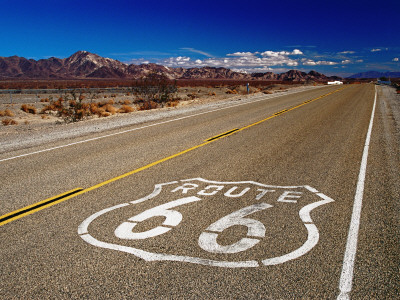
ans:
(335, 82)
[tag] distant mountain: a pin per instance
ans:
(375, 74)
(83, 65)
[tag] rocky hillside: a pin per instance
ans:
(83, 64)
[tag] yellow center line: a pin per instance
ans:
(71, 194)
(30, 209)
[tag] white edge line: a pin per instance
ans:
(346, 278)
(263, 98)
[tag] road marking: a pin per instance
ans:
(280, 112)
(346, 278)
(37, 206)
(222, 134)
(197, 191)
(263, 98)
(83, 191)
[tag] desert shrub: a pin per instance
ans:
(155, 88)
(231, 92)
(192, 96)
(111, 109)
(173, 103)
(212, 94)
(93, 108)
(126, 109)
(9, 121)
(148, 105)
(71, 111)
(6, 113)
(101, 112)
(126, 102)
(44, 100)
(28, 108)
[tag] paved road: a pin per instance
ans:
(172, 211)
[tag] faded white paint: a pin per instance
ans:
(208, 239)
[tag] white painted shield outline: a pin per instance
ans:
(304, 213)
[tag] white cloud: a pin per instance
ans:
(182, 58)
(255, 70)
(376, 50)
(244, 61)
(359, 61)
(242, 54)
(197, 51)
(347, 52)
(261, 62)
(297, 52)
(310, 62)
(281, 53)
(395, 59)
(274, 54)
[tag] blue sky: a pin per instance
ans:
(332, 37)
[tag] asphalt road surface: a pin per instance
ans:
(292, 197)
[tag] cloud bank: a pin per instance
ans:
(259, 61)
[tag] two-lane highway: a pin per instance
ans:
(249, 202)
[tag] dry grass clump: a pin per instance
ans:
(74, 110)
(231, 92)
(9, 121)
(148, 105)
(6, 113)
(101, 112)
(111, 109)
(57, 106)
(45, 100)
(212, 94)
(28, 108)
(192, 96)
(173, 103)
(126, 109)
(126, 102)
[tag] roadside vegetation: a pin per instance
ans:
(77, 105)
(66, 101)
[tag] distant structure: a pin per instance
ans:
(335, 82)
(386, 82)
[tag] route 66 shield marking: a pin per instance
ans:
(224, 224)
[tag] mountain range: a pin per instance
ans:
(376, 74)
(84, 65)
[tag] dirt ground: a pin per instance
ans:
(33, 117)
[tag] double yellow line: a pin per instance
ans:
(79, 191)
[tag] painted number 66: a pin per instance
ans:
(207, 240)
